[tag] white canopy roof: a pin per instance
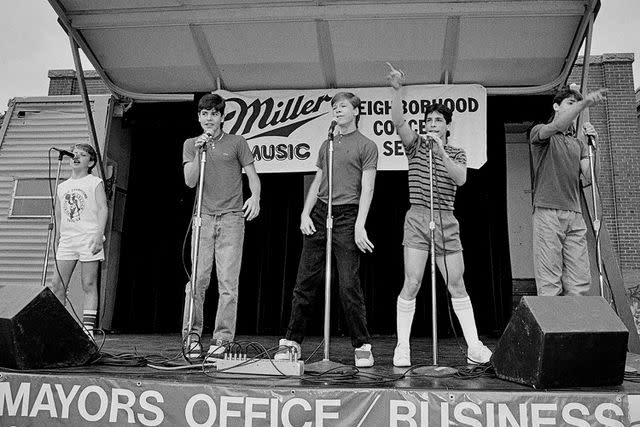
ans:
(186, 46)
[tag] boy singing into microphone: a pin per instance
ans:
(223, 216)
(450, 172)
(81, 216)
(354, 171)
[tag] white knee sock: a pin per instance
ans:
(89, 318)
(464, 311)
(405, 310)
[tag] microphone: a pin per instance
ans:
(209, 135)
(332, 127)
(590, 138)
(63, 152)
(430, 141)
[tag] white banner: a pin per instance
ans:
(285, 128)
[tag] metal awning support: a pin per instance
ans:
(76, 39)
(587, 59)
(87, 105)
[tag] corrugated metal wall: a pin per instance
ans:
(32, 126)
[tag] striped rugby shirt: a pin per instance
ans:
(444, 186)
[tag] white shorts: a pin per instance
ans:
(77, 248)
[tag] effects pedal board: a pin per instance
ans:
(233, 363)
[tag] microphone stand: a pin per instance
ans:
(51, 223)
(326, 364)
(434, 370)
(197, 224)
(596, 219)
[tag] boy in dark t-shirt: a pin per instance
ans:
(560, 255)
(354, 170)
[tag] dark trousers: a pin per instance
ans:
(312, 268)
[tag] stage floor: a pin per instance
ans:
(167, 348)
(118, 387)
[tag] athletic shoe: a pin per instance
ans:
(363, 356)
(402, 356)
(195, 351)
(216, 351)
(478, 354)
(288, 350)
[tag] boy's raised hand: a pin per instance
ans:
(597, 96)
(395, 77)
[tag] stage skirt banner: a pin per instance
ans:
(86, 400)
(285, 128)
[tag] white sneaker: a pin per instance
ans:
(478, 354)
(194, 351)
(363, 356)
(216, 351)
(402, 356)
(288, 350)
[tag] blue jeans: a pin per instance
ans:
(560, 255)
(311, 273)
(221, 238)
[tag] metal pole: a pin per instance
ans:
(195, 249)
(596, 219)
(86, 104)
(327, 268)
(584, 117)
(432, 235)
(51, 223)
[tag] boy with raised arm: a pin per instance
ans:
(450, 172)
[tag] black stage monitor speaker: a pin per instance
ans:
(561, 342)
(36, 331)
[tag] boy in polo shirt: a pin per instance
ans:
(450, 165)
(223, 216)
(354, 171)
(560, 255)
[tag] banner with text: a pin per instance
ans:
(84, 400)
(285, 128)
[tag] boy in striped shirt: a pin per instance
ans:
(450, 164)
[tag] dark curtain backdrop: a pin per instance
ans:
(151, 283)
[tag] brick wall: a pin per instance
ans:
(616, 121)
(638, 105)
(64, 82)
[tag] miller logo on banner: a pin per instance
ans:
(285, 128)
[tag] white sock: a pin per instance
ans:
(405, 310)
(464, 311)
(89, 319)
